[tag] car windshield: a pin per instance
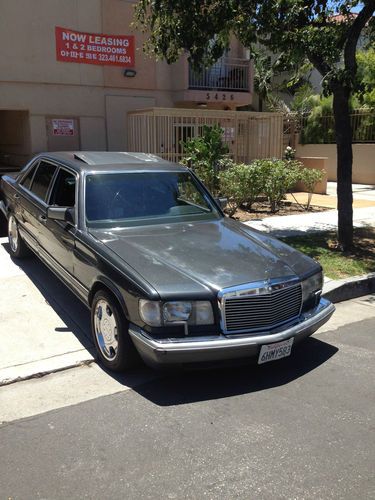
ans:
(136, 198)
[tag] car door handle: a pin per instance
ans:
(42, 218)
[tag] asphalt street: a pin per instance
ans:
(299, 428)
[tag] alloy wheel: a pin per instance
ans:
(106, 329)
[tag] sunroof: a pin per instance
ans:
(109, 158)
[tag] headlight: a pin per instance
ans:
(176, 311)
(158, 314)
(150, 312)
(203, 313)
(311, 289)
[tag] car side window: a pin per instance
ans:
(42, 179)
(26, 181)
(63, 191)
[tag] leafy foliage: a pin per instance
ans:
(244, 184)
(366, 77)
(241, 184)
(278, 177)
(203, 154)
(295, 29)
(319, 125)
(310, 178)
(326, 33)
(289, 153)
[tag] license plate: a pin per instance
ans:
(271, 352)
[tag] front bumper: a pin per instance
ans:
(225, 347)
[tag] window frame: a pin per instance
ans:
(35, 166)
(76, 189)
(51, 183)
(54, 180)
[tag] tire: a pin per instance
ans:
(109, 328)
(17, 247)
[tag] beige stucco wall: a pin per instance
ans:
(32, 80)
(363, 160)
(27, 39)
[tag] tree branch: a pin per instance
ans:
(319, 64)
(354, 33)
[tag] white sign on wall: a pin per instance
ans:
(63, 126)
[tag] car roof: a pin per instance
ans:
(105, 161)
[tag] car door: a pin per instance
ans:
(23, 206)
(57, 239)
(35, 187)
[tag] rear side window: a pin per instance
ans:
(63, 191)
(42, 179)
(26, 181)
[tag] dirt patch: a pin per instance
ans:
(260, 210)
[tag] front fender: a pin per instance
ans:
(104, 282)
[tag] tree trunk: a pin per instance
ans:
(344, 166)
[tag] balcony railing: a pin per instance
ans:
(228, 74)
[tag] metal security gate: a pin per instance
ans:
(249, 135)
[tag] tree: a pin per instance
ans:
(325, 32)
(263, 76)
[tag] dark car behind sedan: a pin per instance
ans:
(166, 275)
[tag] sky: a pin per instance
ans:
(355, 9)
(358, 8)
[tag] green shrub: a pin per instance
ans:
(319, 124)
(289, 153)
(278, 177)
(310, 178)
(203, 153)
(241, 184)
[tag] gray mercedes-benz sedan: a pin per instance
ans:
(167, 276)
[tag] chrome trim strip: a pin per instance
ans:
(29, 238)
(261, 287)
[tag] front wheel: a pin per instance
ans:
(110, 334)
(18, 247)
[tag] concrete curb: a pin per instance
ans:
(40, 368)
(349, 288)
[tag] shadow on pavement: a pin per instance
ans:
(65, 304)
(184, 387)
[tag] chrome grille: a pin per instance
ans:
(262, 311)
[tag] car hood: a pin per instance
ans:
(198, 257)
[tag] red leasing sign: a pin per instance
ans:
(91, 48)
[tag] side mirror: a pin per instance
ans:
(65, 214)
(222, 202)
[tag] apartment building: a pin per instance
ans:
(71, 70)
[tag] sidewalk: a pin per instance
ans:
(294, 225)
(363, 197)
(44, 327)
(306, 222)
